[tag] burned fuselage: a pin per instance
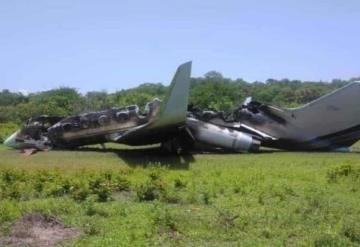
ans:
(111, 125)
(46, 132)
(100, 127)
(328, 123)
(158, 123)
(331, 122)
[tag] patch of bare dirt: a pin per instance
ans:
(37, 230)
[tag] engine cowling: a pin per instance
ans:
(222, 137)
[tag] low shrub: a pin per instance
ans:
(80, 191)
(151, 190)
(18, 185)
(148, 192)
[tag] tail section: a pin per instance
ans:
(171, 115)
(174, 108)
(333, 119)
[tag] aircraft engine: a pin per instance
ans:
(222, 137)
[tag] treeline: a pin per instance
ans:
(212, 91)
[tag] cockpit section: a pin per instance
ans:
(33, 134)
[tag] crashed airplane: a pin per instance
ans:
(331, 122)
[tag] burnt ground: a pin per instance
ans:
(37, 230)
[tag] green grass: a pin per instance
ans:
(133, 198)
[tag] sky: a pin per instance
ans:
(111, 45)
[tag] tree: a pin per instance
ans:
(213, 75)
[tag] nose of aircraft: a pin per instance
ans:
(11, 140)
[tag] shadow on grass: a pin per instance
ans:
(151, 156)
(146, 157)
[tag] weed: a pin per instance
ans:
(206, 197)
(343, 171)
(226, 218)
(327, 239)
(80, 191)
(165, 221)
(171, 196)
(121, 183)
(91, 209)
(179, 183)
(153, 190)
(91, 228)
(104, 193)
(351, 230)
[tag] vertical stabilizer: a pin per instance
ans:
(174, 107)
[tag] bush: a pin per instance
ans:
(153, 190)
(121, 183)
(105, 183)
(147, 192)
(80, 191)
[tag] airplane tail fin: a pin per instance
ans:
(334, 117)
(171, 115)
(174, 107)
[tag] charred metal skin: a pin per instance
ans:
(34, 134)
(331, 122)
(100, 127)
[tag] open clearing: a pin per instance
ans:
(135, 198)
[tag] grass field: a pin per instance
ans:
(134, 198)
